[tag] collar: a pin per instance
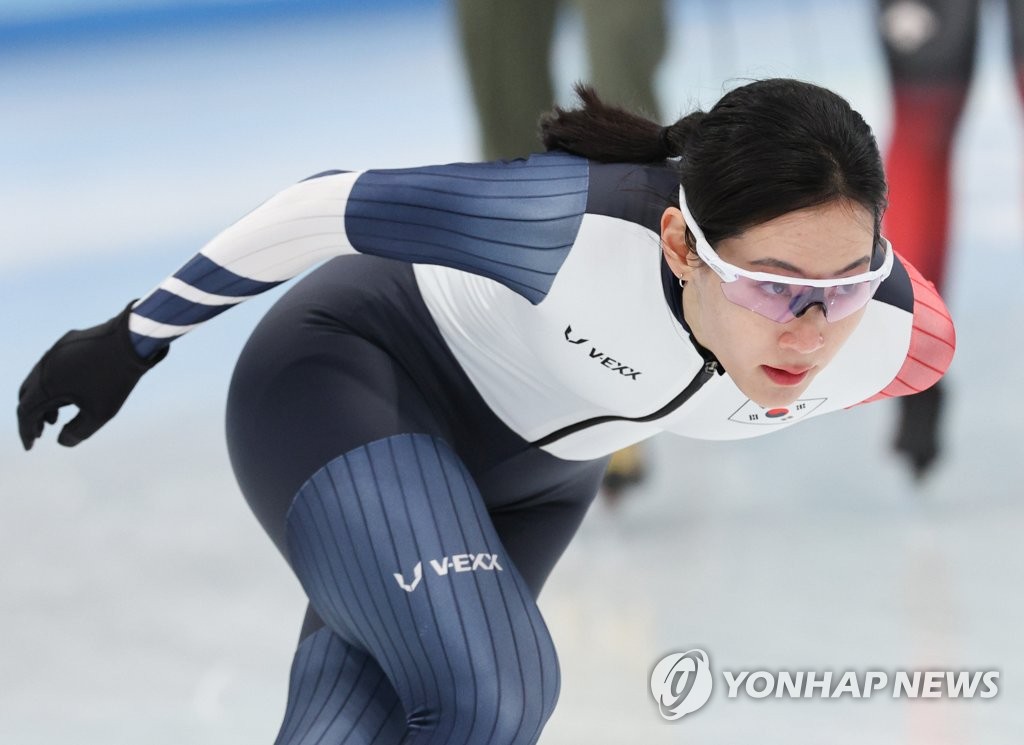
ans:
(674, 298)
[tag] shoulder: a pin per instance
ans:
(629, 191)
(932, 337)
(543, 174)
(633, 192)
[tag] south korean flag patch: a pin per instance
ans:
(751, 413)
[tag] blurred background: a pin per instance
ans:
(139, 600)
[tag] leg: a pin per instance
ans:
(929, 46)
(309, 388)
(336, 692)
(534, 531)
(507, 48)
(398, 555)
(537, 522)
(1016, 13)
(625, 46)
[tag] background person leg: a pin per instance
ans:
(507, 48)
(626, 43)
(929, 49)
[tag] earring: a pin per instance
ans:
(682, 282)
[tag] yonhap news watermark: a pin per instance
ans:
(682, 683)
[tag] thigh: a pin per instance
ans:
(398, 555)
(351, 355)
(332, 365)
(357, 440)
(328, 692)
(537, 502)
(929, 41)
(301, 396)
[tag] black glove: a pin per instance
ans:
(917, 435)
(95, 369)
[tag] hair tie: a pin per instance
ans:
(666, 144)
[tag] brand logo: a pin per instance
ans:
(681, 683)
(457, 563)
(417, 575)
(826, 684)
(606, 361)
(751, 413)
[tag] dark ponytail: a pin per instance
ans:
(765, 149)
(610, 134)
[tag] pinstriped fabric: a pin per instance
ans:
(186, 300)
(147, 346)
(338, 694)
(165, 307)
(512, 221)
(932, 342)
(399, 557)
(207, 275)
(289, 233)
(530, 652)
(537, 663)
(199, 291)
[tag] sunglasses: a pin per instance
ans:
(781, 298)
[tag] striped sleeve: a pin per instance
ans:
(511, 221)
(932, 341)
(291, 232)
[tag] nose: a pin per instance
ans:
(805, 334)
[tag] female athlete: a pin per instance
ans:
(421, 423)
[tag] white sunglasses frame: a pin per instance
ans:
(730, 273)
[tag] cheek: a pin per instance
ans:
(741, 336)
(738, 337)
(842, 330)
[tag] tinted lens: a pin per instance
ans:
(782, 302)
(844, 300)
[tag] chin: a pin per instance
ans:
(772, 401)
(779, 396)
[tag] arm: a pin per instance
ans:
(513, 222)
(289, 233)
(932, 337)
(96, 369)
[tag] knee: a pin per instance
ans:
(519, 715)
(507, 704)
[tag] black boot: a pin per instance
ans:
(917, 436)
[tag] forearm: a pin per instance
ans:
(291, 232)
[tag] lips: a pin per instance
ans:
(786, 375)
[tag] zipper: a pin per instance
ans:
(703, 376)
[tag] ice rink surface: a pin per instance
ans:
(139, 600)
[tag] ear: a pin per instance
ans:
(673, 244)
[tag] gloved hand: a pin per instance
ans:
(95, 369)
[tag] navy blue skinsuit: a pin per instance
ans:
(421, 423)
